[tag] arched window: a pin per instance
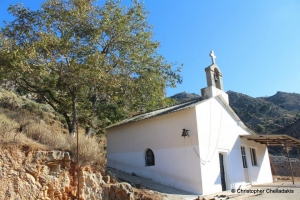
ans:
(149, 158)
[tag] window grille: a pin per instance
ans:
(243, 150)
(253, 157)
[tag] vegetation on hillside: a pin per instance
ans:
(279, 113)
(184, 96)
(93, 65)
(30, 125)
(287, 101)
(262, 114)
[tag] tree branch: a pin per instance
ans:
(37, 90)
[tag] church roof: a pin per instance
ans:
(159, 112)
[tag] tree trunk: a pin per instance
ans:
(67, 118)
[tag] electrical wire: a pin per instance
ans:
(221, 118)
(220, 124)
(209, 132)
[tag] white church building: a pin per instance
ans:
(199, 146)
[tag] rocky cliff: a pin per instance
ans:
(51, 175)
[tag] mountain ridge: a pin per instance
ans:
(279, 113)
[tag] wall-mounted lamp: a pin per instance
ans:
(185, 132)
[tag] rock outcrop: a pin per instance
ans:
(51, 175)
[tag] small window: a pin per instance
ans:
(149, 158)
(253, 156)
(243, 150)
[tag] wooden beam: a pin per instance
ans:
(298, 154)
(275, 140)
(279, 139)
(287, 152)
(271, 143)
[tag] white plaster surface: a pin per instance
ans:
(190, 163)
(212, 91)
(176, 160)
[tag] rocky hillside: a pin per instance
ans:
(287, 101)
(50, 175)
(261, 115)
(279, 113)
(38, 158)
(184, 96)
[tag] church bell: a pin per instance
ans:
(185, 132)
(216, 77)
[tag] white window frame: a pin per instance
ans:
(253, 154)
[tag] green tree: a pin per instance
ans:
(90, 63)
(260, 128)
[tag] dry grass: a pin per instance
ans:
(25, 122)
(7, 125)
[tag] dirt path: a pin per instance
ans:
(169, 193)
(165, 191)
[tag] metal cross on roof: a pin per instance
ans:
(213, 57)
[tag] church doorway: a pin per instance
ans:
(222, 172)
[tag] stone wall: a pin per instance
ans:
(281, 166)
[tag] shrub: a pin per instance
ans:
(46, 108)
(260, 128)
(28, 123)
(263, 108)
(7, 125)
(32, 106)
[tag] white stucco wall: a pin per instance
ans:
(176, 158)
(219, 132)
(191, 164)
(262, 172)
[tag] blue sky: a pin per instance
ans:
(257, 43)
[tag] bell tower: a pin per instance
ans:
(214, 79)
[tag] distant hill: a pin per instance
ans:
(292, 130)
(184, 96)
(261, 115)
(279, 113)
(287, 101)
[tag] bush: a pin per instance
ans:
(32, 106)
(7, 125)
(37, 133)
(89, 149)
(28, 123)
(46, 108)
(264, 108)
(260, 128)
(20, 91)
